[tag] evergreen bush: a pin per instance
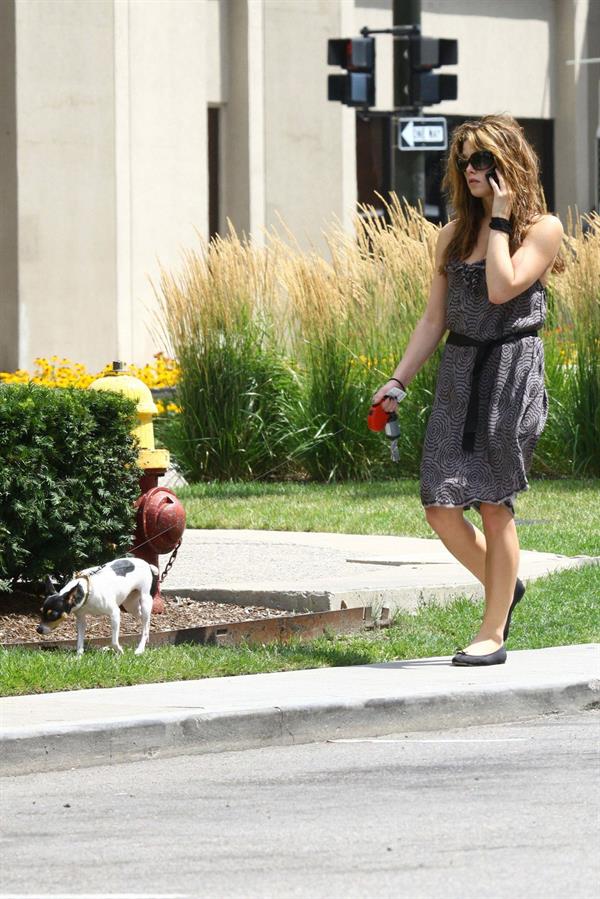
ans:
(68, 479)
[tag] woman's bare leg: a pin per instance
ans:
(460, 537)
(493, 557)
(501, 568)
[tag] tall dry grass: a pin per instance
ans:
(570, 443)
(236, 389)
(281, 349)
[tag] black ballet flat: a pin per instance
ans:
(492, 658)
(517, 597)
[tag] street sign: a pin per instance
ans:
(422, 134)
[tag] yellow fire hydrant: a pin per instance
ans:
(160, 520)
(117, 381)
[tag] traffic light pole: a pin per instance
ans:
(408, 168)
(415, 86)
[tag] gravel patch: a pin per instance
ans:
(19, 617)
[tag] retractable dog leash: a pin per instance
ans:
(380, 420)
(167, 567)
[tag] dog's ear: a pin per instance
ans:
(74, 597)
(50, 586)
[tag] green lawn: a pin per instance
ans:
(555, 516)
(564, 608)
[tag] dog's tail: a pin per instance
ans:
(154, 586)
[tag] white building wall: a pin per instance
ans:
(578, 38)
(66, 168)
(309, 143)
(107, 173)
(9, 248)
(506, 52)
(168, 168)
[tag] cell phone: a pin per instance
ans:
(492, 174)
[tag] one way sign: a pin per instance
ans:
(422, 134)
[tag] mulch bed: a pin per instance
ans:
(19, 617)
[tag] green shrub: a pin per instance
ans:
(68, 479)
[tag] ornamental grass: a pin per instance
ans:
(280, 350)
(571, 440)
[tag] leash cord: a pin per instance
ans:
(168, 566)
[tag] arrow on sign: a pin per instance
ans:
(408, 134)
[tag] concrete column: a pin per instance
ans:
(244, 119)
(103, 106)
(310, 144)
(124, 284)
(593, 74)
(9, 250)
(167, 171)
(256, 116)
(236, 119)
(573, 147)
(66, 164)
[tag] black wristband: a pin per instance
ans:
(398, 381)
(500, 224)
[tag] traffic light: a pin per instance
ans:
(417, 57)
(357, 55)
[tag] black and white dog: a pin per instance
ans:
(126, 583)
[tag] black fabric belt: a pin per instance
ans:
(484, 348)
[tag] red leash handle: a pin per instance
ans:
(377, 418)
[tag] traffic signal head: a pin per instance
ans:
(418, 55)
(357, 56)
(431, 52)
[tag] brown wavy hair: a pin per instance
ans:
(518, 164)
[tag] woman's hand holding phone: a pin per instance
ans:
(502, 202)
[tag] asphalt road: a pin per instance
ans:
(499, 811)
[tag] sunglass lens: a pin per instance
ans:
(481, 160)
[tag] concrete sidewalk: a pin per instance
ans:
(313, 572)
(94, 727)
(316, 572)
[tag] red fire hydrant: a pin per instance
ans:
(160, 516)
(160, 523)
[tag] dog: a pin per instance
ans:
(124, 583)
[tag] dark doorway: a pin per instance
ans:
(539, 133)
(374, 162)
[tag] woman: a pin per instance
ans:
(491, 267)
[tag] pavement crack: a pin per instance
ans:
(284, 728)
(392, 562)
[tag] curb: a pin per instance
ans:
(112, 741)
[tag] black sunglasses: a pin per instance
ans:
(480, 160)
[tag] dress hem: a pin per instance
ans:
(476, 500)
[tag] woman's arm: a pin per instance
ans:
(507, 276)
(429, 329)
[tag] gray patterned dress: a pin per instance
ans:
(512, 407)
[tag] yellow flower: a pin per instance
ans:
(55, 372)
